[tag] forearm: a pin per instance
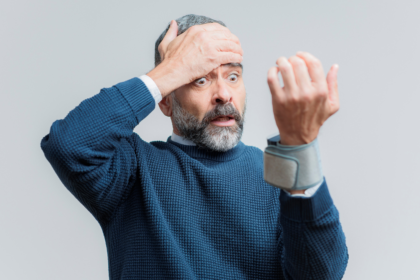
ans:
(91, 149)
(312, 236)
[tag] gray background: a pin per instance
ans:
(55, 54)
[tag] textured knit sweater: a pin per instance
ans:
(171, 211)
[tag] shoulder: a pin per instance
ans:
(253, 154)
(252, 150)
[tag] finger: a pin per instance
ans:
(287, 74)
(301, 72)
(172, 32)
(169, 36)
(229, 57)
(333, 88)
(274, 83)
(227, 46)
(213, 26)
(315, 69)
(223, 35)
(215, 31)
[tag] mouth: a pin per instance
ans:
(224, 120)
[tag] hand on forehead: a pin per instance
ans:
(195, 53)
(218, 32)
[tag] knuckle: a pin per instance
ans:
(232, 45)
(284, 65)
(324, 92)
(201, 35)
(271, 79)
(227, 58)
(315, 63)
(218, 25)
(237, 49)
(306, 97)
(193, 29)
(280, 59)
(213, 59)
(280, 100)
(297, 61)
(234, 38)
(235, 57)
(321, 94)
(292, 99)
(306, 91)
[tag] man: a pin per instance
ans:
(197, 206)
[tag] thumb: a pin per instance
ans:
(333, 88)
(169, 37)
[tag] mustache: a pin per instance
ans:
(222, 110)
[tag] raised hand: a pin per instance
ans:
(306, 100)
(193, 54)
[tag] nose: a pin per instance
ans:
(222, 93)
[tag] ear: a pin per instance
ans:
(165, 105)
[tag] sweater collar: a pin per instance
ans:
(195, 151)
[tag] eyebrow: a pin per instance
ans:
(234, 65)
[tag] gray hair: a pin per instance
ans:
(184, 23)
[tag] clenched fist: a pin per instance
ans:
(306, 100)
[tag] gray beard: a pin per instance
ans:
(204, 134)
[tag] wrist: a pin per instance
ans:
(296, 140)
(296, 192)
(165, 77)
(292, 168)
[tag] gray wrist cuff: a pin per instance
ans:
(292, 167)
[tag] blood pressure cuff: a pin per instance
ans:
(292, 167)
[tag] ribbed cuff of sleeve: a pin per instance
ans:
(302, 209)
(138, 97)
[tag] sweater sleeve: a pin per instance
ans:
(92, 148)
(312, 240)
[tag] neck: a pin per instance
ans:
(181, 140)
(202, 153)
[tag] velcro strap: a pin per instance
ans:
(292, 167)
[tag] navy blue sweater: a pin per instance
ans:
(170, 211)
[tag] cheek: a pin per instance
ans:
(240, 100)
(197, 104)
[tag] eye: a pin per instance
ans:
(233, 77)
(200, 82)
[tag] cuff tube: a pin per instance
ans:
(292, 167)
